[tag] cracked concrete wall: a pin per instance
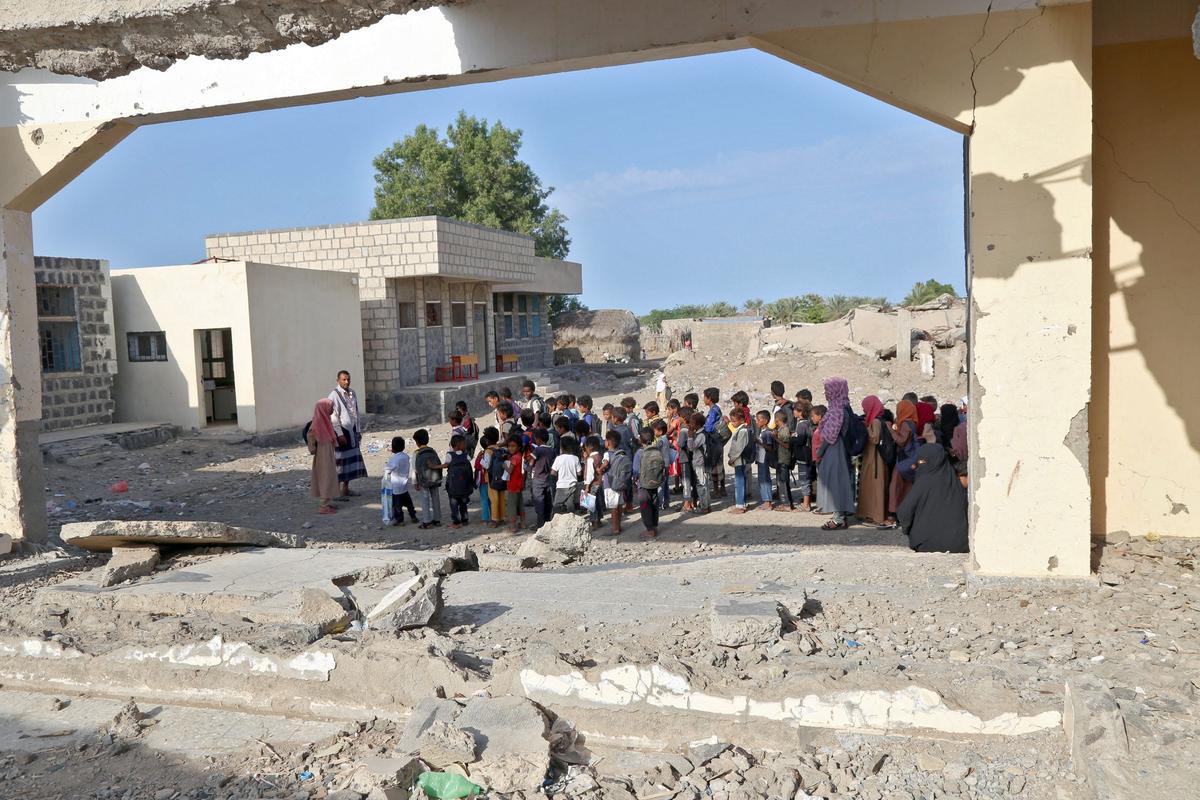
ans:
(1146, 429)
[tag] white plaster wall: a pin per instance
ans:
(304, 327)
(180, 300)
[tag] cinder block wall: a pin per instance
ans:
(85, 397)
(416, 260)
(534, 352)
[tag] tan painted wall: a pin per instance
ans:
(180, 300)
(292, 331)
(304, 327)
(1146, 418)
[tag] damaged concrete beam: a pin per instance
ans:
(105, 535)
(110, 39)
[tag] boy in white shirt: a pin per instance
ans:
(566, 471)
(397, 471)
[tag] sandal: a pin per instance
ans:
(888, 526)
(834, 526)
(327, 510)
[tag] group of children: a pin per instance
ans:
(558, 456)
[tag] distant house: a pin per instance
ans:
(431, 289)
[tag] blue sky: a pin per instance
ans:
(721, 177)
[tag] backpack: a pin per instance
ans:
(750, 450)
(496, 470)
(887, 445)
(712, 456)
(304, 433)
(472, 436)
(429, 478)
(856, 434)
(650, 471)
(460, 476)
(723, 433)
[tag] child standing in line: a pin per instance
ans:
(632, 419)
(783, 457)
(649, 471)
(481, 474)
(802, 451)
(460, 481)
(618, 475)
(540, 458)
(565, 471)
(397, 470)
(469, 424)
(593, 479)
(739, 455)
(606, 419)
(663, 444)
(700, 455)
(716, 441)
(583, 410)
(505, 426)
(765, 458)
(494, 463)
(815, 416)
(514, 482)
(427, 473)
(493, 401)
(573, 408)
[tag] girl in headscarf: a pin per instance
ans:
(926, 416)
(835, 485)
(947, 422)
(905, 434)
(934, 514)
(873, 473)
(322, 442)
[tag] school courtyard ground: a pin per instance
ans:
(733, 657)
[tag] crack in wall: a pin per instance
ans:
(1142, 182)
(977, 63)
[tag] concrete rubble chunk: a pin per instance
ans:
(569, 534)
(1098, 738)
(464, 557)
(305, 606)
(426, 713)
(104, 535)
(705, 750)
(6, 544)
(538, 548)
(737, 622)
(509, 562)
(381, 773)
(510, 737)
(412, 604)
(442, 744)
(129, 562)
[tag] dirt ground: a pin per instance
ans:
(878, 607)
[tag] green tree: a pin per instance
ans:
(840, 305)
(754, 307)
(558, 304)
(929, 290)
(473, 175)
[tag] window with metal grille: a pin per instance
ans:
(147, 345)
(59, 343)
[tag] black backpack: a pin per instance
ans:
(751, 449)
(496, 470)
(712, 456)
(856, 434)
(887, 445)
(460, 476)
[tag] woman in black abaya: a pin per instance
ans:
(934, 513)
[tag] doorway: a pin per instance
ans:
(479, 322)
(216, 375)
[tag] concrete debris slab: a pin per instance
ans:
(736, 622)
(104, 535)
(412, 604)
(705, 750)
(129, 562)
(505, 561)
(442, 744)
(304, 606)
(379, 772)
(1098, 738)
(5, 544)
(569, 534)
(260, 578)
(510, 736)
(427, 712)
(538, 548)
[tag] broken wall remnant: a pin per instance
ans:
(121, 35)
(596, 337)
(102, 535)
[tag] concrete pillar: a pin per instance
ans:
(22, 484)
(1030, 252)
(904, 335)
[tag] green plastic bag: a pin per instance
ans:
(447, 785)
